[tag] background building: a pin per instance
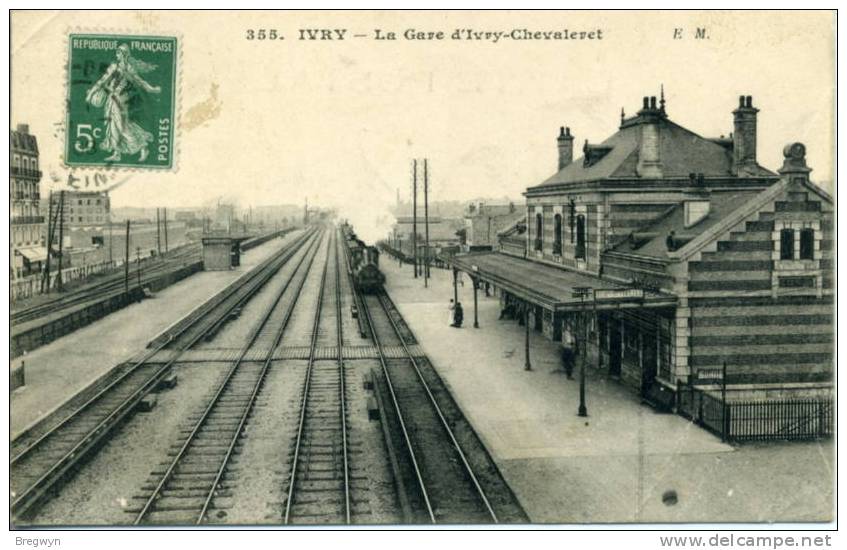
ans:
(483, 221)
(81, 208)
(26, 247)
(443, 235)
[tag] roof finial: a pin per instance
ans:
(662, 101)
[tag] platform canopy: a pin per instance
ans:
(34, 254)
(555, 288)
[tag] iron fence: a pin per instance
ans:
(762, 420)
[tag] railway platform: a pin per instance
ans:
(58, 370)
(625, 462)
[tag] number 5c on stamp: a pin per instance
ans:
(121, 101)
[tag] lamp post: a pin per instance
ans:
(581, 292)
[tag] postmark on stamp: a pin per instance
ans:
(121, 102)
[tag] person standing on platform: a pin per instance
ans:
(459, 315)
(452, 314)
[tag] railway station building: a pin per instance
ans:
(677, 259)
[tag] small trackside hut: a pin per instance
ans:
(221, 252)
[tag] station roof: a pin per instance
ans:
(681, 152)
(720, 206)
(553, 287)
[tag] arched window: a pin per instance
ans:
(807, 244)
(539, 228)
(580, 237)
(786, 244)
(557, 235)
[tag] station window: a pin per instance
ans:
(786, 244)
(807, 244)
(539, 227)
(557, 236)
(580, 237)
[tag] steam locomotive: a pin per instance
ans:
(364, 262)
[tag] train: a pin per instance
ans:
(364, 263)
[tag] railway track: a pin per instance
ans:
(40, 458)
(183, 489)
(319, 487)
(112, 283)
(452, 477)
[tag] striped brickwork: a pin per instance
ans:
(594, 216)
(624, 218)
(770, 320)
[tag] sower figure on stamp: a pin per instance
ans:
(112, 93)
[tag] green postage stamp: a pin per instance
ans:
(121, 101)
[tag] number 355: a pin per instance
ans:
(262, 34)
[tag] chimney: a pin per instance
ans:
(649, 159)
(23, 128)
(744, 136)
(565, 142)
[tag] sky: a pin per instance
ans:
(270, 122)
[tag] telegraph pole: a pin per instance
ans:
(426, 224)
(415, 214)
(126, 260)
(45, 277)
(110, 237)
(165, 212)
(138, 264)
(109, 206)
(61, 237)
(158, 233)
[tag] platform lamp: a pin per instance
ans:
(582, 292)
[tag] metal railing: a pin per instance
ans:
(26, 172)
(757, 420)
(20, 220)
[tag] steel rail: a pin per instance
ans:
(381, 296)
(110, 283)
(23, 501)
(341, 374)
(357, 300)
(381, 355)
(283, 255)
(306, 387)
(254, 395)
(214, 400)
